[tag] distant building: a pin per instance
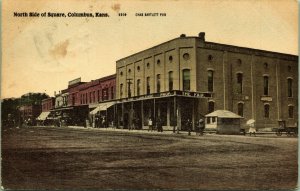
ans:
(189, 77)
(29, 113)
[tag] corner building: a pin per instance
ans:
(188, 77)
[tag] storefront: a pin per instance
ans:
(172, 108)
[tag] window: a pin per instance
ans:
(170, 81)
(158, 83)
(186, 56)
(290, 87)
(148, 85)
(266, 65)
(112, 92)
(241, 109)
(129, 70)
(138, 68)
(239, 62)
(129, 88)
(211, 106)
(98, 95)
(90, 101)
(210, 81)
(239, 77)
(266, 85)
(210, 57)
(267, 110)
(291, 111)
(289, 68)
(170, 58)
(138, 87)
(121, 90)
(186, 79)
(94, 96)
(86, 98)
(148, 65)
(158, 62)
(105, 94)
(121, 73)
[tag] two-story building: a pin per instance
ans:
(188, 77)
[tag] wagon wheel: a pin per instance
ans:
(278, 133)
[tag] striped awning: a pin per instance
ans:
(102, 107)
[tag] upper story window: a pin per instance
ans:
(121, 73)
(170, 59)
(210, 58)
(186, 56)
(158, 83)
(266, 85)
(211, 106)
(105, 94)
(148, 65)
(290, 87)
(148, 85)
(170, 80)
(138, 68)
(158, 62)
(186, 79)
(267, 111)
(241, 109)
(289, 68)
(138, 87)
(239, 79)
(266, 65)
(210, 80)
(112, 92)
(129, 70)
(239, 62)
(121, 90)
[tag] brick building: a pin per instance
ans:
(29, 113)
(188, 77)
(47, 105)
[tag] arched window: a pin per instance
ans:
(158, 83)
(210, 81)
(121, 91)
(267, 111)
(241, 109)
(291, 111)
(211, 106)
(266, 85)
(138, 87)
(170, 80)
(290, 87)
(148, 85)
(186, 79)
(239, 78)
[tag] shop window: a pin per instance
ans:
(121, 90)
(148, 85)
(241, 109)
(291, 111)
(158, 83)
(170, 80)
(267, 111)
(186, 79)
(266, 85)
(239, 78)
(211, 106)
(138, 87)
(210, 81)
(290, 87)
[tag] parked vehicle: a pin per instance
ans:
(288, 130)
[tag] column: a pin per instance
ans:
(193, 114)
(142, 113)
(168, 112)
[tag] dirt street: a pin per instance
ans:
(61, 158)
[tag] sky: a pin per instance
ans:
(41, 54)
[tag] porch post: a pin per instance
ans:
(142, 113)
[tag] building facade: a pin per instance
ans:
(188, 77)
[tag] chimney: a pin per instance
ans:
(182, 35)
(202, 36)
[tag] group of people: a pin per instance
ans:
(158, 126)
(199, 128)
(100, 122)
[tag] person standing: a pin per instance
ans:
(150, 124)
(189, 126)
(159, 125)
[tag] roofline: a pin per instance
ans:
(208, 42)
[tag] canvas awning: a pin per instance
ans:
(43, 116)
(102, 107)
(223, 114)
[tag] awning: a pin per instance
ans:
(43, 116)
(102, 107)
(223, 114)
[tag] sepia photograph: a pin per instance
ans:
(144, 95)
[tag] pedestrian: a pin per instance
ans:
(189, 126)
(201, 126)
(159, 125)
(150, 125)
